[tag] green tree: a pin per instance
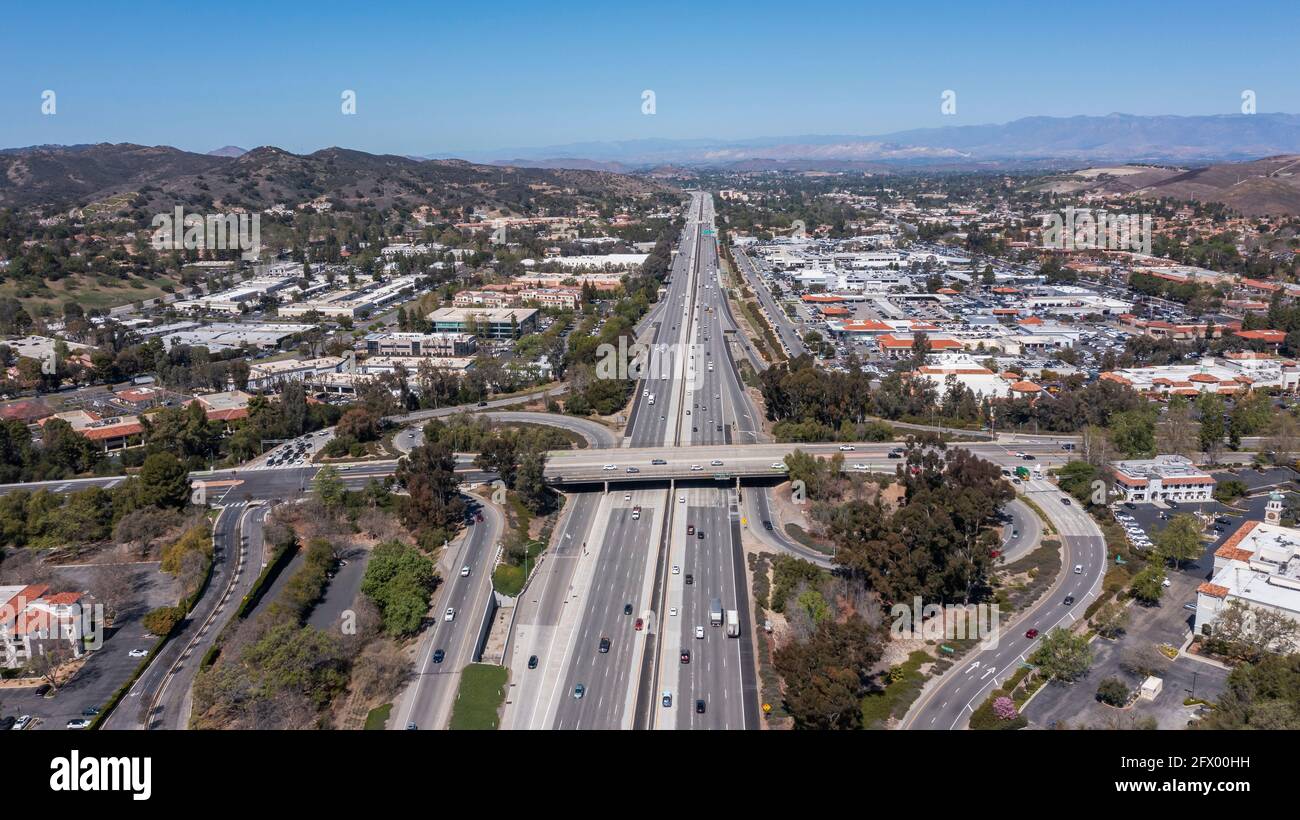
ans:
(329, 487)
(1148, 585)
(1063, 655)
(400, 580)
(164, 482)
(1180, 541)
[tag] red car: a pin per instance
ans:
(1031, 634)
(690, 529)
(639, 623)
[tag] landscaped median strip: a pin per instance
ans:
(478, 701)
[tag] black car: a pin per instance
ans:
(1069, 599)
(482, 404)
(700, 535)
(767, 525)
(690, 579)
(699, 707)
(90, 711)
(604, 645)
(627, 609)
(438, 655)
(532, 662)
(1066, 501)
(42, 689)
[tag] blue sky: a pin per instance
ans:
(434, 77)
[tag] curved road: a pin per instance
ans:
(948, 701)
(596, 435)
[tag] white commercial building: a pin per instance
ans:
(267, 375)
(1258, 566)
(1163, 478)
(1237, 372)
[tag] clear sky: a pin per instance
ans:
(434, 77)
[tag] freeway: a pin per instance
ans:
(948, 701)
(427, 702)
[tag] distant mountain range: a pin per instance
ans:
(160, 177)
(1032, 141)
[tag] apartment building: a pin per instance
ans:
(32, 618)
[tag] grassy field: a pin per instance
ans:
(103, 292)
(378, 717)
(482, 691)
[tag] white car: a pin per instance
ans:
(138, 653)
(847, 448)
(695, 468)
(1078, 569)
(609, 467)
(777, 465)
(79, 723)
(451, 614)
(715, 463)
(681, 499)
(672, 611)
(699, 632)
(860, 467)
(677, 570)
(22, 723)
(464, 571)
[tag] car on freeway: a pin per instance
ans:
(449, 615)
(532, 661)
(1078, 569)
(438, 655)
(667, 699)
(699, 632)
(658, 461)
(690, 529)
(690, 579)
(640, 622)
(686, 656)
(1029, 457)
(579, 691)
(767, 525)
(627, 609)
(847, 448)
(681, 499)
(604, 645)
(138, 653)
(672, 612)
(860, 466)
(1031, 634)
(896, 453)
(696, 468)
(700, 535)
(633, 470)
(777, 465)
(716, 463)
(699, 707)
(677, 570)
(464, 571)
